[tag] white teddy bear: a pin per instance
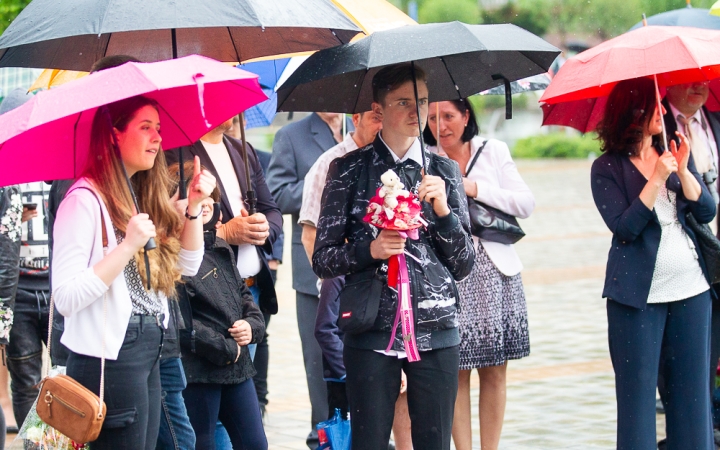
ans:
(391, 189)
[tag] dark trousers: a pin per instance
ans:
(680, 331)
(261, 363)
(373, 386)
(337, 399)
(28, 333)
(235, 405)
(132, 389)
(312, 356)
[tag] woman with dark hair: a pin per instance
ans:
(493, 312)
(99, 281)
(656, 282)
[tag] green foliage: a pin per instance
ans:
(528, 16)
(9, 9)
(557, 145)
(448, 10)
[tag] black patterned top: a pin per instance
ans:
(143, 301)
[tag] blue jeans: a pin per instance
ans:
(176, 433)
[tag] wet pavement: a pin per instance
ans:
(562, 395)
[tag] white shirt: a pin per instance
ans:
(248, 260)
(78, 292)
(315, 181)
(499, 185)
(677, 274)
(414, 152)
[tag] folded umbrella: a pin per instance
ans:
(48, 137)
(675, 55)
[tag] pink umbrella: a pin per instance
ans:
(48, 137)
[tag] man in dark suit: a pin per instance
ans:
(248, 235)
(685, 111)
(296, 147)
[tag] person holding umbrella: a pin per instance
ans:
(443, 253)
(657, 286)
(109, 313)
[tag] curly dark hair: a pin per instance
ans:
(471, 130)
(630, 107)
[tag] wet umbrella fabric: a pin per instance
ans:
(458, 59)
(684, 17)
(577, 95)
(675, 54)
(534, 83)
(74, 34)
(48, 137)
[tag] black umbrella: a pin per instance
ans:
(684, 17)
(73, 34)
(458, 59)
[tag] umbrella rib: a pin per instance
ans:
(237, 53)
(175, 122)
(457, 89)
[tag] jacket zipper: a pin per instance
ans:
(213, 272)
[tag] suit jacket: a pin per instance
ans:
(713, 122)
(265, 205)
(296, 148)
(616, 185)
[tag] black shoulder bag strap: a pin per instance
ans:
(477, 155)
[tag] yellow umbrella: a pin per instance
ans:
(55, 77)
(715, 9)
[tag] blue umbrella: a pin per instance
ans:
(684, 17)
(262, 115)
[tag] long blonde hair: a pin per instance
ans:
(104, 170)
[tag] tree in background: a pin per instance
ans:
(9, 9)
(448, 10)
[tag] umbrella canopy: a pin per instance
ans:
(715, 10)
(675, 54)
(577, 95)
(459, 60)
(684, 17)
(48, 137)
(74, 34)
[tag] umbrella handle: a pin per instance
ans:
(508, 94)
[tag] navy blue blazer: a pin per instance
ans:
(616, 186)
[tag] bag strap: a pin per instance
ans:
(477, 155)
(52, 310)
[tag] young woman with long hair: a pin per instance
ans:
(102, 292)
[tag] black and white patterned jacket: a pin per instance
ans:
(443, 254)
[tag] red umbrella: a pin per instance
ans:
(675, 54)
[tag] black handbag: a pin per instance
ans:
(360, 301)
(490, 223)
(709, 246)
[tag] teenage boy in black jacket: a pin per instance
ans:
(444, 253)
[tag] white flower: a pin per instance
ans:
(34, 434)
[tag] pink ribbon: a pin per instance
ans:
(404, 314)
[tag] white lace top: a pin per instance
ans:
(677, 274)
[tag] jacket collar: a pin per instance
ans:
(321, 132)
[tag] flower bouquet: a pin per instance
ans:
(394, 208)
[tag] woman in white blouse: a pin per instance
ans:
(98, 277)
(493, 315)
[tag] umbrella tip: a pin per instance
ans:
(688, 3)
(644, 20)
